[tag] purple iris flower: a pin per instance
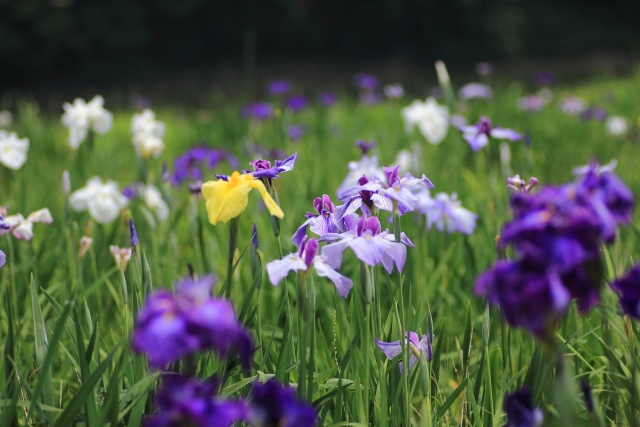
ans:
(325, 221)
(296, 132)
(546, 78)
(531, 103)
(3, 258)
(257, 110)
(306, 257)
(297, 103)
(629, 289)
(368, 200)
(365, 146)
(484, 68)
(417, 347)
(184, 401)
(274, 405)
(263, 170)
(371, 98)
(170, 326)
(365, 82)
(475, 91)
(134, 234)
(478, 136)
(572, 105)
(279, 87)
(370, 244)
(594, 113)
(189, 166)
(519, 185)
(328, 99)
(520, 410)
(130, 191)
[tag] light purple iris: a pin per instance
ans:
(296, 132)
(3, 259)
(365, 82)
(532, 103)
(484, 68)
(572, 105)
(328, 99)
(478, 136)
(297, 103)
(364, 199)
(306, 257)
(173, 325)
(370, 244)
(325, 221)
(394, 189)
(279, 87)
(417, 347)
(257, 111)
(475, 91)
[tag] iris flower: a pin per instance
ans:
(417, 346)
(21, 227)
(478, 135)
(274, 405)
(520, 410)
(228, 199)
(628, 287)
(305, 258)
(13, 150)
(446, 213)
(370, 244)
(328, 220)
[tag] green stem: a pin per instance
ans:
(233, 243)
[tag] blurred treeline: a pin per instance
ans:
(107, 40)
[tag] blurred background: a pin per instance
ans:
(179, 48)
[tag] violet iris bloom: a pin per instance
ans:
(3, 258)
(185, 401)
(366, 200)
(274, 405)
(572, 105)
(190, 165)
(629, 289)
(520, 410)
(365, 82)
(417, 347)
(475, 91)
(279, 87)
(328, 99)
(257, 110)
(297, 103)
(367, 166)
(325, 221)
(170, 326)
(296, 132)
(594, 113)
(306, 257)
(370, 244)
(478, 136)
(519, 185)
(365, 146)
(262, 169)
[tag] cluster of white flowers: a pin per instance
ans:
(147, 134)
(13, 150)
(431, 119)
(21, 227)
(80, 116)
(103, 200)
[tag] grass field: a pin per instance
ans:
(66, 321)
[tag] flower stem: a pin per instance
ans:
(233, 243)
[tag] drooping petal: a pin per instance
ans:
(278, 269)
(272, 206)
(390, 349)
(366, 250)
(332, 253)
(301, 232)
(41, 215)
(343, 284)
(225, 201)
(510, 134)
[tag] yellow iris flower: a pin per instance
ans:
(228, 199)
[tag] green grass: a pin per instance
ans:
(65, 323)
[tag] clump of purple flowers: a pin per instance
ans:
(190, 165)
(520, 410)
(556, 234)
(274, 405)
(628, 287)
(173, 325)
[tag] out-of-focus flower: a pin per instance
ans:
(152, 198)
(80, 116)
(628, 287)
(475, 91)
(518, 184)
(446, 212)
(478, 136)
(594, 113)
(122, 256)
(228, 199)
(366, 166)
(431, 119)
(520, 410)
(139, 102)
(184, 401)
(365, 82)
(617, 126)
(307, 257)
(3, 258)
(274, 405)
(328, 99)
(296, 132)
(296, 103)
(458, 121)
(85, 245)
(173, 325)
(189, 166)
(394, 91)
(21, 227)
(546, 78)
(13, 150)
(258, 111)
(532, 103)
(147, 134)
(6, 118)
(370, 98)
(365, 146)
(103, 200)
(594, 167)
(484, 69)
(279, 87)
(572, 105)
(370, 244)
(409, 160)
(66, 183)
(327, 220)
(417, 347)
